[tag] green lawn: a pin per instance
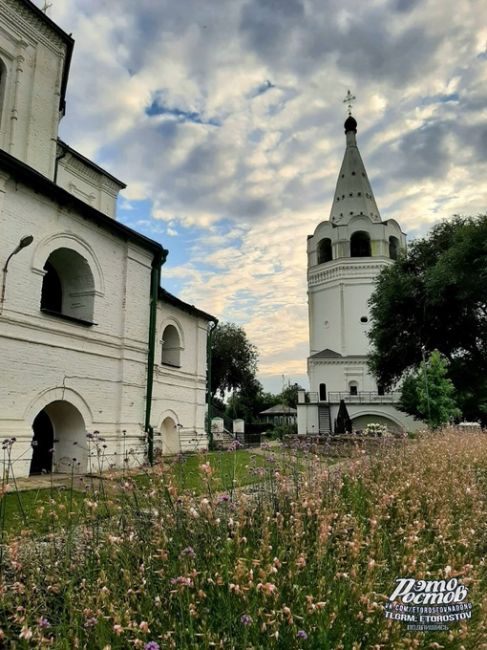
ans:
(45, 509)
(229, 469)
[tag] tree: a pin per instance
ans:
(233, 359)
(343, 423)
(289, 395)
(249, 401)
(436, 298)
(429, 393)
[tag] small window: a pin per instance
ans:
(364, 319)
(353, 388)
(353, 173)
(380, 390)
(351, 194)
(171, 347)
(359, 193)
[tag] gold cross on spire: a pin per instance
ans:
(349, 99)
(47, 5)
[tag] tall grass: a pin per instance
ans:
(305, 559)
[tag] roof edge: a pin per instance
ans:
(33, 179)
(184, 306)
(90, 163)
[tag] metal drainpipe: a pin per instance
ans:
(212, 327)
(157, 262)
(56, 163)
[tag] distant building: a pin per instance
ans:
(89, 341)
(345, 255)
(279, 414)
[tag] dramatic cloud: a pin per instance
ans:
(225, 119)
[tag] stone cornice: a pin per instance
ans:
(26, 20)
(345, 271)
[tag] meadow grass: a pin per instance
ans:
(306, 558)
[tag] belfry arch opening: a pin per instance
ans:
(360, 244)
(68, 287)
(393, 247)
(59, 440)
(325, 253)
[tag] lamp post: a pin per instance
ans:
(23, 243)
(423, 350)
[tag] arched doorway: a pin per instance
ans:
(42, 444)
(170, 437)
(322, 392)
(59, 440)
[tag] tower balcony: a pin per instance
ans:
(362, 397)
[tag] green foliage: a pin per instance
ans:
(429, 393)
(289, 395)
(234, 359)
(343, 423)
(249, 401)
(436, 297)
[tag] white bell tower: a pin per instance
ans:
(345, 255)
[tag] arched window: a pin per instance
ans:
(171, 347)
(360, 244)
(393, 247)
(68, 287)
(52, 290)
(324, 251)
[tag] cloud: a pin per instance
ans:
(226, 119)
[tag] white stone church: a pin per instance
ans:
(89, 342)
(345, 255)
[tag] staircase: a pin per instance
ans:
(324, 420)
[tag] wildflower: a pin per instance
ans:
(245, 619)
(206, 468)
(144, 626)
(118, 629)
(152, 645)
(301, 562)
(182, 581)
(189, 552)
(91, 622)
(25, 633)
(267, 588)
(43, 622)
(223, 498)
(301, 635)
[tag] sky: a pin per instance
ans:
(225, 119)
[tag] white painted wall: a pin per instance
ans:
(47, 362)
(180, 392)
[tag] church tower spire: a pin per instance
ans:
(353, 194)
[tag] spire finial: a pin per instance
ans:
(349, 99)
(47, 5)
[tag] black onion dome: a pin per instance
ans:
(350, 124)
